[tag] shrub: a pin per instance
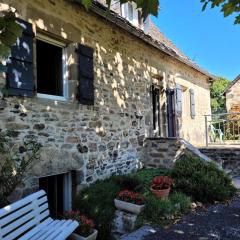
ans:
(181, 203)
(160, 211)
(14, 163)
(201, 180)
(146, 175)
(157, 211)
(129, 182)
(97, 202)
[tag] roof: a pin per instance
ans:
(231, 84)
(154, 37)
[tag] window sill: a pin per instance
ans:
(52, 97)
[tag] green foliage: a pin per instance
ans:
(201, 180)
(181, 203)
(217, 100)
(14, 163)
(163, 211)
(131, 183)
(228, 7)
(146, 175)
(97, 203)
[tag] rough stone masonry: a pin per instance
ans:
(104, 139)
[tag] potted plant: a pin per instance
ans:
(130, 201)
(161, 186)
(86, 230)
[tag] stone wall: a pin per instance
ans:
(233, 96)
(228, 158)
(104, 139)
(163, 152)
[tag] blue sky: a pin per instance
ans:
(208, 38)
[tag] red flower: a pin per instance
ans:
(86, 225)
(131, 197)
(162, 182)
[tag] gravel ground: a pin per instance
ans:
(218, 222)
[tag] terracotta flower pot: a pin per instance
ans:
(161, 193)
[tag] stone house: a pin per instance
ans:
(232, 95)
(91, 86)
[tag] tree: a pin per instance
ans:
(228, 7)
(217, 100)
(14, 162)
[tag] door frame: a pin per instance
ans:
(171, 113)
(156, 105)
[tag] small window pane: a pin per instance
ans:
(130, 12)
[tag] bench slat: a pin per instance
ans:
(27, 226)
(28, 216)
(59, 229)
(67, 230)
(36, 232)
(31, 216)
(27, 200)
(48, 229)
(22, 211)
(44, 230)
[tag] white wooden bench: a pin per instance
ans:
(29, 219)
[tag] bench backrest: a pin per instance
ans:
(23, 215)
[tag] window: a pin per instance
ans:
(133, 15)
(130, 12)
(59, 190)
(50, 69)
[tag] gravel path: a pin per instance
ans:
(218, 222)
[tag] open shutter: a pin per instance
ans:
(192, 103)
(20, 64)
(178, 100)
(85, 75)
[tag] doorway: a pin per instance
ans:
(171, 113)
(59, 192)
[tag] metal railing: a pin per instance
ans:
(222, 129)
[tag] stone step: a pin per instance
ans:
(139, 234)
(228, 158)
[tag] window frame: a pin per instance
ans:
(55, 42)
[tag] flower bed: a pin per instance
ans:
(130, 201)
(86, 226)
(98, 200)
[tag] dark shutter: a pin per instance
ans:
(192, 103)
(85, 75)
(20, 64)
(178, 100)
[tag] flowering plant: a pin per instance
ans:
(131, 197)
(86, 225)
(162, 182)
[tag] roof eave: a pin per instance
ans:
(113, 17)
